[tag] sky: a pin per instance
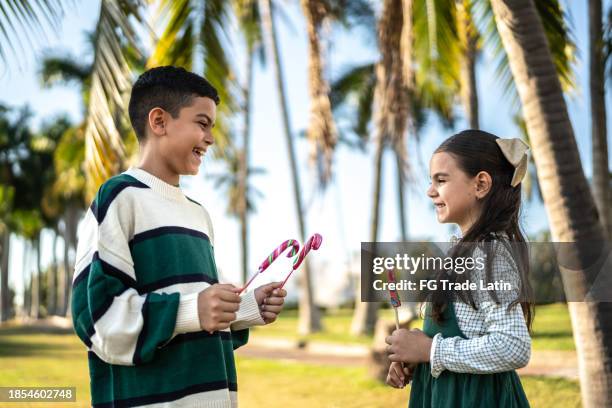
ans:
(342, 213)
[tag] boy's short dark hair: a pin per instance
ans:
(170, 88)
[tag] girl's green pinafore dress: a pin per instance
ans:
(452, 389)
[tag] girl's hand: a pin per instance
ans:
(408, 346)
(398, 378)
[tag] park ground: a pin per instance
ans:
(329, 372)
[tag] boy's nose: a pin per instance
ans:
(209, 139)
(431, 191)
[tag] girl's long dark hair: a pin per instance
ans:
(476, 151)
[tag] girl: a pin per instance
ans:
(472, 341)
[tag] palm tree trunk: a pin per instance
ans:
(63, 276)
(601, 175)
(321, 130)
(71, 219)
(74, 215)
(35, 305)
(364, 319)
(244, 163)
(392, 110)
(469, 95)
(27, 298)
(67, 274)
(401, 206)
(309, 315)
(53, 280)
(5, 305)
(569, 203)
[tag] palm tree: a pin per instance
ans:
(409, 78)
(249, 21)
(391, 99)
(6, 201)
(309, 315)
(14, 147)
(469, 42)
(53, 204)
(569, 203)
(601, 177)
(321, 130)
(69, 185)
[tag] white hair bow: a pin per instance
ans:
(515, 151)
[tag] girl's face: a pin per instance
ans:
(454, 193)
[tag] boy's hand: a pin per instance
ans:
(270, 300)
(217, 306)
(398, 377)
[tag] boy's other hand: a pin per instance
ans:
(217, 306)
(270, 299)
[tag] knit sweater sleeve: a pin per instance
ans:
(115, 321)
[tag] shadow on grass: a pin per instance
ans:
(12, 348)
(13, 345)
(551, 335)
(33, 329)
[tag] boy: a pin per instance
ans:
(146, 301)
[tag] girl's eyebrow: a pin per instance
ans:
(440, 174)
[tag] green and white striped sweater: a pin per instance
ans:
(145, 251)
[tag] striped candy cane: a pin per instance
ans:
(395, 300)
(314, 242)
(295, 246)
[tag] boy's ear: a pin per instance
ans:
(483, 184)
(157, 121)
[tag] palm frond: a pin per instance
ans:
(218, 70)
(63, 70)
(111, 81)
(436, 66)
(26, 20)
(192, 32)
(558, 33)
(356, 85)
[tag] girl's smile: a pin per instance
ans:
(454, 194)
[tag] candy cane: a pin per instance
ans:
(395, 300)
(295, 246)
(314, 242)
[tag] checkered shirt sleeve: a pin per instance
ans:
(497, 339)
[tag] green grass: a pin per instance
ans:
(552, 328)
(289, 384)
(31, 358)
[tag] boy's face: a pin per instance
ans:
(452, 191)
(187, 137)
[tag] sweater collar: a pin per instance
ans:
(156, 184)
